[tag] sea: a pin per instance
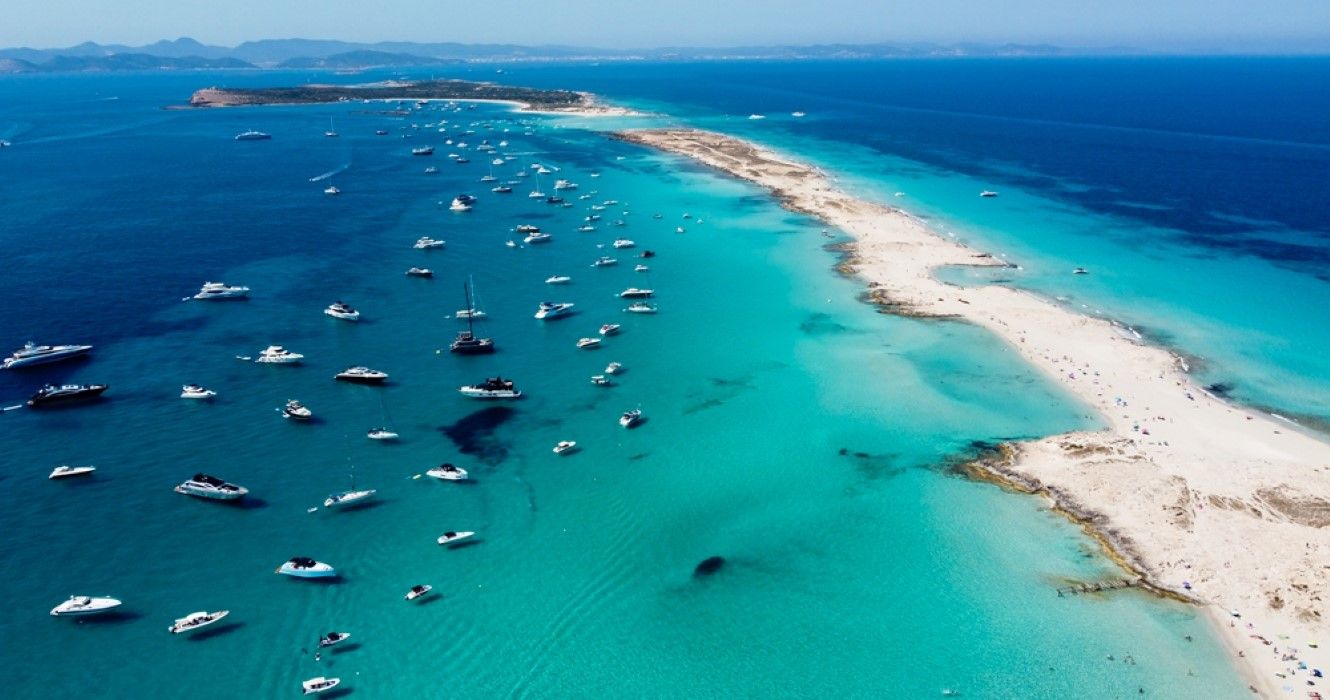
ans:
(809, 441)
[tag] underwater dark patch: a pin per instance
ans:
(474, 435)
(821, 324)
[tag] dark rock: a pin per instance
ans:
(709, 566)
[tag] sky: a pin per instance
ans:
(1268, 25)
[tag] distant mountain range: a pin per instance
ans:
(188, 54)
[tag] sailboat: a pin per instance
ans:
(349, 497)
(536, 193)
(467, 343)
(382, 433)
(490, 177)
(331, 132)
(472, 311)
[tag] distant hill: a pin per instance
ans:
(362, 59)
(119, 62)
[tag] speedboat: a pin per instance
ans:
(65, 471)
(420, 272)
(492, 388)
(332, 638)
(796, 115)
(537, 237)
(419, 591)
(432, 170)
(252, 136)
(631, 418)
(427, 243)
(347, 498)
(304, 567)
(601, 380)
(361, 375)
(488, 178)
(613, 368)
(459, 205)
(342, 310)
(448, 472)
(609, 329)
(641, 268)
(635, 293)
(623, 243)
(988, 193)
(380, 132)
(296, 411)
(552, 199)
(332, 190)
(678, 229)
(422, 151)
(526, 228)
(66, 393)
(588, 343)
(1080, 271)
(381, 434)
(565, 446)
(757, 116)
(33, 354)
(641, 307)
(501, 189)
(559, 279)
(84, 605)
(467, 343)
(604, 261)
(221, 290)
(194, 391)
(319, 684)
(586, 228)
(451, 537)
(550, 310)
(210, 487)
(278, 355)
(196, 620)
(565, 185)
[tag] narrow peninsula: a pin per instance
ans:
(1207, 501)
(528, 99)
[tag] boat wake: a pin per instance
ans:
(343, 168)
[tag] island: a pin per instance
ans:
(526, 98)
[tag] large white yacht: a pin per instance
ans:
(565, 185)
(84, 605)
(450, 537)
(278, 355)
(196, 620)
(537, 237)
(66, 471)
(296, 411)
(447, 472)
(427, 243)
(492, 388)
(304, 567)
(346, 498)
(635, 293)
(319, 684)
(205, 486)
(252, 135)
(33, 354)
(549, 310)
(361, 375)
(221, 290)
(195, 391)
(623, 243)
(342, 310)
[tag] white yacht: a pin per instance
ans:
(33, 354)
(332, 638)
(565, 185)
(588, 343)
(432, 170)
(296, 411)
(631, 418)
(988, 193)
(501, 189)
(419, 591)
(601, 380)
(346, 498)
(342, 310)
(624, 243)
(586, 228)
(84, 605)
(361, 375)
(422, 151)
(320, 684)
(419, 272)
(221, 290)
(332, 190)
(474, 314)
(194, 391)
(526, 228)
(604, 261)
(451, 537)
(427, 243)
(65, 471)
(613, 368)
(565, 446)
(797, 115)
(550, 310)
(641, 307)
(278, 355)
(458, 204)
(641, 268)
(448, 472)
(559, 279)
(252, 135)
(492, 388)
(609, 329)
(196, 620)
(210, 487)
(757, 116)
(537, 237)
(304, 567)
(381, 434)
(635, 293)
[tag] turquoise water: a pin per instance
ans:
(791, 429)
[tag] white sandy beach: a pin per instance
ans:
(1218, 504)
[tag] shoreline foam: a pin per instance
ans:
(1207, 501)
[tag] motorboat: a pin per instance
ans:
(988, 193)
(623, 243)
(448, 472)
(586, 228)
(278, 355)
(252, 136)
(319, 684)
(419, 591)
(757, 116)
(501, 189)
(609, 329)
(554, 199)
(221, 290)
(332, 190)
(537, 237)
(346, 498)
(613, 368)
(565, 446)
(797, 115)
(78, 605)
(380, 132)
(304, 567)
(212, 488)
(601, 380)
(635, 293)
(604, 261)
(66, 471)
(492, 388)
(381, 434)
(631, 418)
(296, 411)
(1080, 271)
(678, 229)
(510, 243)
(641, 268)
(196, 620)
(451, 537)
(65, 393)
(342, 310)
(33, 354)
(559, 279)
(422, 151)
(588, 343)
(641, 307)
(361, 375)
(427, 243)
(332, 638)
(565, 185)
(432, 170)
(420, 272)
(458, 204)
(194, 391)
(551, 310)
(488, 178)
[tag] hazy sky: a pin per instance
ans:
(653, 23)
